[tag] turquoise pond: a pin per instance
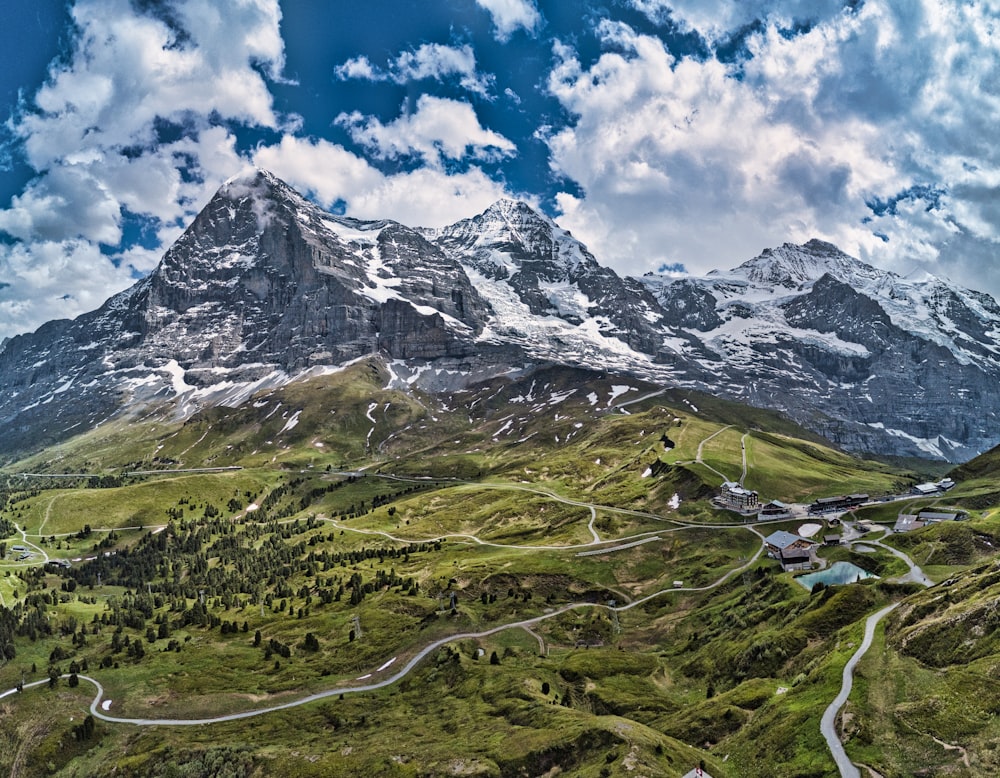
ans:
(838, 573)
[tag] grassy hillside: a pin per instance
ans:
(360, 524)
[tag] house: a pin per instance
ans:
(831, 540)
(781, 544)
(775, 510)
(795, 559)
(735, 498)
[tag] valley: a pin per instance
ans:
(542, 567)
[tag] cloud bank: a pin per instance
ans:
(871, 125)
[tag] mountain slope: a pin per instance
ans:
(265, 287)
(893, 364)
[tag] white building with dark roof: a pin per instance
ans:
(735, 498)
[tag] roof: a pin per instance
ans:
(907, 522)
(936, 516)
(782, 540)
(792, 554)
(777, 504)
(927, 488)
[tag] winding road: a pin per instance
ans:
(97, 711)
(828, 724)
(99, 706)
(701, 445)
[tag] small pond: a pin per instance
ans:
(838, 573)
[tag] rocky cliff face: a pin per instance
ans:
(892, 365)
(264, 286)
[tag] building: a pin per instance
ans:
(735, 498)
(775, 510)
(907, 522)
(795, 559)
(931, 516)
(842, 502)
(794, 552)
(933, 487)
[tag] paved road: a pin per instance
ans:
(828, 724)
(916, 575)
(97, 712)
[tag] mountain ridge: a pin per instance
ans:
(264, 286)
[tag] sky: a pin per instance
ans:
(670, 136)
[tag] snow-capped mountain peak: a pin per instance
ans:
(794, 267)
(265, 285)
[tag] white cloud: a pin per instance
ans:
(332, 174)
(326, 170)
(90, 132)
(706, 164)
(512, 15)
(439, 129)
(430, 60)
(715, 20)
(53, 280)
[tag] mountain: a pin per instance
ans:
(890, 362)
(265, 287)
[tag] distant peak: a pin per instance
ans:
(793, 265)
(506, 207)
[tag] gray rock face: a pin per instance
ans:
(553, 274)
(265, 286)
(873, 361)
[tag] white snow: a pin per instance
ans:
(176, 373)
(931, 445)
(618, 390)
(291, 423)
(808, 530)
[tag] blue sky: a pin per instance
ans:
(683, 135)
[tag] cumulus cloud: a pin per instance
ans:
(428, 61)
(716, 20)
(704, 163)
(54, 280)
(92, 133)
(512, 15)
(440, 129)
(333, 175)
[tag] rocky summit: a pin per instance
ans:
(265, 287)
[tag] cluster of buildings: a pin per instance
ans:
(935, 487)
(912, 521)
